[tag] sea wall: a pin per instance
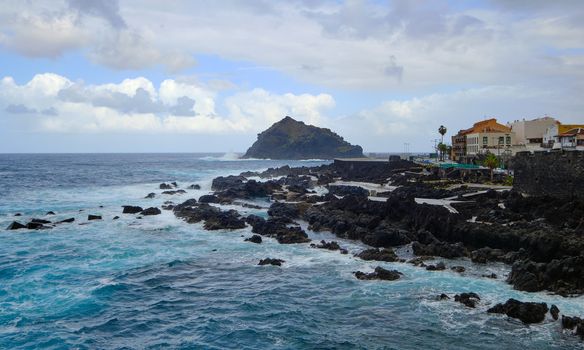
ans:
(557, 173)
(370, 170)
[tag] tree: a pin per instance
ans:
(442, 130)
(443, 149)
(491, 162)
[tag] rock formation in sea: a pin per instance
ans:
(291, 139)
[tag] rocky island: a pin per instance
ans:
(291, 139)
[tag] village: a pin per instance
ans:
(471, 145)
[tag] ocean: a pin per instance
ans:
(160, 283)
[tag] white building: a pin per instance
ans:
(529, 134)
(551, 137)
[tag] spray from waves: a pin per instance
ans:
(229, 157)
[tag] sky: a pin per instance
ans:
(207, 76)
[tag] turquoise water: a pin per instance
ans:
(159, 283)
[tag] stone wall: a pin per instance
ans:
(370, 170)
(556, 173)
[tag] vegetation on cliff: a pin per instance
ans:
(291, 139)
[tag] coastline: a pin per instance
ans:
(293, 254)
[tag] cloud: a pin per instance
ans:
(185, 106)
(392, 123)
(137, 106)
(52, 111)
(354, 44)
(36, 35)
(109, 10)
(50, 30)
(19, 109)
(127, 49)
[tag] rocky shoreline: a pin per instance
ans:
(541, 239)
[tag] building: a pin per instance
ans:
(573, 138)
(529, 134)
(484, 136)
(458, 150)
(551, 137)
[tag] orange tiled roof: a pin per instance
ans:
(564, 128)
(572, 132)
(488, 125)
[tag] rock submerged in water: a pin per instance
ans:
(93, 217)
(527, 312)
(194, 187)
(172, 193)
(215, 218)
(438, 267)
(70, 220)
(333, 245)
(270, 261)
(379, 274)
(150, 195)
(555, 312)
(130, 209)
(254, 239)
(469, 299)
(151, 211)
(208, 198)
(277, 228)
(572, 323)
(459, 269)
(378, 255)
(15, 225)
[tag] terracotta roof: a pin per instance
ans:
(572, 132)
(485, 126)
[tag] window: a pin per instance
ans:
(485, 140)
(501, 140)
(508, 140)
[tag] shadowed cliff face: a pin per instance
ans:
(290, 139)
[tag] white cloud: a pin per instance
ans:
(136, 105)
(356, 44)
(52, 103)
(415, 121)
(37, 35)
(126, 49)
(261, 106)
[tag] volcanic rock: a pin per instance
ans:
(270, 261)
(15, 225)
(378, 255)
(527, 312)
(129, 209)
(290, 139)
(151, 211)
(379, 274)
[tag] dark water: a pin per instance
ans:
(159, 283)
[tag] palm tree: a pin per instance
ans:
(443, 149)
(491, 162)
(442, 130)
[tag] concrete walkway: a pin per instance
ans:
(446, 203)
(369, 186)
